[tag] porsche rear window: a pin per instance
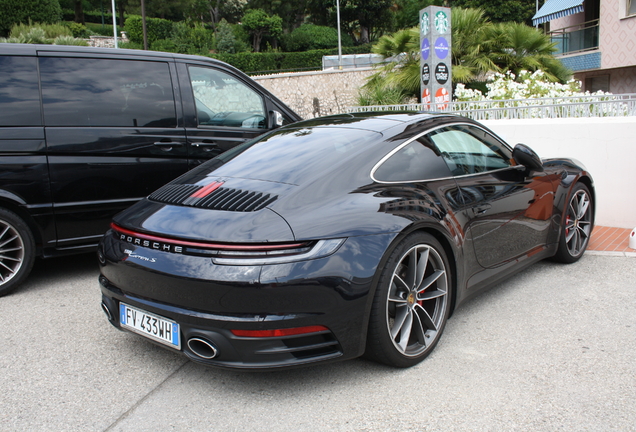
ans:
(291, 155)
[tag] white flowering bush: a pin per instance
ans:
(529, 85)
(533, 89)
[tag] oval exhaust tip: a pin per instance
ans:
(202, 348)
(107, 312)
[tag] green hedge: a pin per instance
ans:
(277, 61)
(24, 11)
(156, 29)
(312, 37)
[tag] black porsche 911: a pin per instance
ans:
(336, 237)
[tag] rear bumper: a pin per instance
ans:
(209, 301)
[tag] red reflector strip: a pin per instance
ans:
(206, 190)
(279, 332)
(230, 247)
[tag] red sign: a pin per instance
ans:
(442, 98)
(426, 99)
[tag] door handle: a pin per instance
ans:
(481, 209)
(205, 145)
(167, 145)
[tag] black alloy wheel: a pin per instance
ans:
(411, 304)
(17, 251)
(577, 225)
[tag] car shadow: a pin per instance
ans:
(56, 270)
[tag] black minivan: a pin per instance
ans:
(86, 132)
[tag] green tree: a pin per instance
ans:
(213, 11)
(258, 23)
(366, 17)
(172, 10)
(292, 12)
(22, 11)
(407, 12)
(520, 11)
(226, 40)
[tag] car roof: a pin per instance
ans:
(373, 121)
(33, 49)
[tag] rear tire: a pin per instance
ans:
(578, 221)
(411, 303)
(17, 251)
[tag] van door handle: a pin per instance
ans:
(206, 145)
(167, 145)
(482, 209)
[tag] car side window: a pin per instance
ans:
(469, 150)
(106, 92)
(222, 100)
(417, 161)
(19, 92)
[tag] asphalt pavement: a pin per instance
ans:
(552, 349)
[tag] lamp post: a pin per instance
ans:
(114, 23)
(339, 39)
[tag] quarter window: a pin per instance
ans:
(19, 93)
(105, 92)
(222, 100)
(470, 150)
(416, 161)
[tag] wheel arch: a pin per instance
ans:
(587, 181)
(17, 207)
(449, 249)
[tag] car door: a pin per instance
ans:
(507, 212)
(221, 110)
(112, 137)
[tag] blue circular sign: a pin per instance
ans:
(441, 48)
(426, 48)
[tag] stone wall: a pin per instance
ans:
(317, 93)
(105, 41)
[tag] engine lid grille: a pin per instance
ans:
(214, 197)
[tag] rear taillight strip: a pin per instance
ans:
(214, 246)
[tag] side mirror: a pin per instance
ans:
(275, 119)
(524, 155)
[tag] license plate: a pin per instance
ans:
(150, 325)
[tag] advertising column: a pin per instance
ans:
(435, 62)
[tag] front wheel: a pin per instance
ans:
(577, 225)
(17, 251)
(411, 304)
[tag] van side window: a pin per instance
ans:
(105, 92)
(222, 100)
(19, 92)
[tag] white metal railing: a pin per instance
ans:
(619, 105)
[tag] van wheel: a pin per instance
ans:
(17, 251)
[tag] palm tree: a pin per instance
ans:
(401, 74)
(517, 47)
(478, 47)
(471, 45)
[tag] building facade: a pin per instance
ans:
(596, 39)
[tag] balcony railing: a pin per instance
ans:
(580, 37)
(619, 105)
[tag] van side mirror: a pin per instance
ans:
(275, 119)
(524, 155)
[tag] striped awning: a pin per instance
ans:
(553, 9)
